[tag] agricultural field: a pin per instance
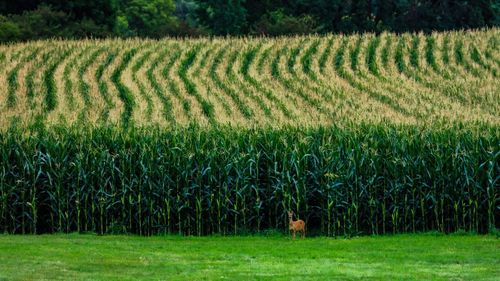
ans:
(358, 135)
(307, 81)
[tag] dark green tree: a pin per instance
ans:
(36, 19)
(185, 10)
(223, 17)
(9, 30)
(18, 7)
(278, 23)
(151, 18)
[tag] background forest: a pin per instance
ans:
(38, 19)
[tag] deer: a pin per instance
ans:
(294, 226)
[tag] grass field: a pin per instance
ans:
(401, 257)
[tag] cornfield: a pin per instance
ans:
(362, 180)
(264, 82)
(360, 134)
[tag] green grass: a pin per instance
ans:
(402, 257)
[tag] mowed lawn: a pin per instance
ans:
(401, 257)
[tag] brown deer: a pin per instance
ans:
(294, 226)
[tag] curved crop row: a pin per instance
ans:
(83, 86)
(125, 95)
(245, 110)
(158, 90)
(203, 72)
(142, 88)
(248, 59)
(247, 93)
(12, 78)
(206, 106)
(49, 81)
(173, 85)
(289, 79)
(102, 86)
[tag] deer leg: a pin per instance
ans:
(303, 233)
(293, 234)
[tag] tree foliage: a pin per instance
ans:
(148, 17)
(223, 16)
(34, 19)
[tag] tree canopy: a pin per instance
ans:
(35, 19)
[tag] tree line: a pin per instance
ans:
(39, 19)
